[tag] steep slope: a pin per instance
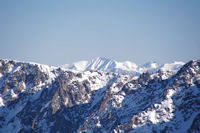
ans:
(127, 67)
(39, 98)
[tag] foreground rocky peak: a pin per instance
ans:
(39, 98)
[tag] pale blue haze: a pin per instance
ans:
(57, 32)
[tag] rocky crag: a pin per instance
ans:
(39, 98)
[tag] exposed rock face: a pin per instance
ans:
(38, 98)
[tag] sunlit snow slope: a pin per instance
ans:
(127, 67)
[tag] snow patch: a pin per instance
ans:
(13, 95)
(1, 102)
(117, 101)
(1, 75)
(152, 117)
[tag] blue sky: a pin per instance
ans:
(59, 32)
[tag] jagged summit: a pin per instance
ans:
(126, 67)
(103, 59)
(101, 63)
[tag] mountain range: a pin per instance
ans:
(127, 67)
(100, 96)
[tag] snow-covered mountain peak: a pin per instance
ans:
(174, 66)
(104, 59)
(151, 64)
(101, 63)
(126, 67)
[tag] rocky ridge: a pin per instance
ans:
(39, 98)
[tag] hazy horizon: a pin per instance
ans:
(63, 32)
